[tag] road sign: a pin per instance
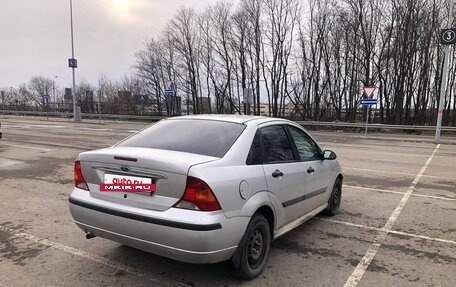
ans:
(141, 98)
(369, 91)
(448, 36)
(368, 102)
(72, 63)
(169, 92)
(68, 96)
(169, 84)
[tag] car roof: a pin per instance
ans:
(240, 119)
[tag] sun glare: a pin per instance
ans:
(121, 2)
(124, 11)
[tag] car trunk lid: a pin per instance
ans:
(166, 169)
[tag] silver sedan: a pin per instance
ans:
(204, 189)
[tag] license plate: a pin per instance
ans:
(123, 183)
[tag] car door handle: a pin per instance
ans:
(277, 173)
(310, 170)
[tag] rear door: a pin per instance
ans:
(284, 174)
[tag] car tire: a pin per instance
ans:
(253, 250)
(334, 199)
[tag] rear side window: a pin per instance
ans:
(254, 156)
(205, 137)
(276, 146)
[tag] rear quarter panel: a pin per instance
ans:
(225, 182)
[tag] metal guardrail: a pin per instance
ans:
(375, 126)
(303, 123)
(84, 115)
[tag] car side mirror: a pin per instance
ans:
(329, 155)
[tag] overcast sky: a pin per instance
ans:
(35, 36)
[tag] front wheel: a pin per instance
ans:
(253, 251)
(334, 199)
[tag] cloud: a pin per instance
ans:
(35, 36)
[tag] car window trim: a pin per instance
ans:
(294, 147)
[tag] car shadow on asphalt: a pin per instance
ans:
(217, 274)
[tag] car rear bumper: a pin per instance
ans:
(184, 235)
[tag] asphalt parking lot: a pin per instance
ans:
(396, 227)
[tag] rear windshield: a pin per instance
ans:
(205, 137)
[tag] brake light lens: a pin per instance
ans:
(198, 196)
(79, 180)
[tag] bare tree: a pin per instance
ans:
(183, 31)
(308, 61)
(282, 18)
(37, 88)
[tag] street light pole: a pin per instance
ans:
(443, 85)
(76, 114)
(53, 90)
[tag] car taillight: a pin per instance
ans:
(198, 196)
(79, 180)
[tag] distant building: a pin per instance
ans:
(290, 109)
(264, 109)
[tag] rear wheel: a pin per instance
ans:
(253, 251)
(334, 199)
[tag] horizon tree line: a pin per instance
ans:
(307, 60)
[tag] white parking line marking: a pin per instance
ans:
(429, 238)
(29, 147)
(86, 255)
(394, 172)
(359, 271)
(399, 192)
(65, 127)
(34, 126)
(94, 129)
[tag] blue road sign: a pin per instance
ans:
(46, 98)
(368, 102)
(169, 92)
